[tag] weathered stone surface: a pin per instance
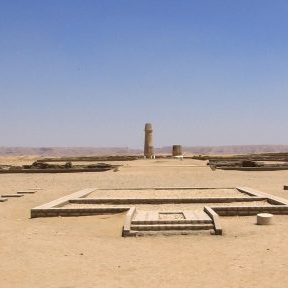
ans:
(177, 150)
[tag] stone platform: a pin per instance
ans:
(142, 220)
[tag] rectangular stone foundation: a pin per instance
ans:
(81, 204)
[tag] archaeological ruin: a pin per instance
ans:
(198, 208)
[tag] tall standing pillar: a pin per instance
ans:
(148, 145)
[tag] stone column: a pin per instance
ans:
(177, 150)
(148, 144)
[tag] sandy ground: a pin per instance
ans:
(90, 252)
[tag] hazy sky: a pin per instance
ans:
(91, 72)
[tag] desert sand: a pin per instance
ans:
(89, 251)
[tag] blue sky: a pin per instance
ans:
(91, 73)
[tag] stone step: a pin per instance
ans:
(146, 216)
(3, 199)
(166, 232)
(161, 227)
(173, 222)
(196, 215)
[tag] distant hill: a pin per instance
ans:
(65, 151)
(90, 151)
(236, 149)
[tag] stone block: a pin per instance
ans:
(264, 219)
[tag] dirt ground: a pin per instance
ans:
(66, 252)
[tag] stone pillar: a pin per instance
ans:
(148, 144)
(264, 218)
(177, 150)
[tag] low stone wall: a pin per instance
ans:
(120, 201)
(248, 211)
(59, 207)
(54, 212)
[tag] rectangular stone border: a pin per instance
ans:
(55, 208)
